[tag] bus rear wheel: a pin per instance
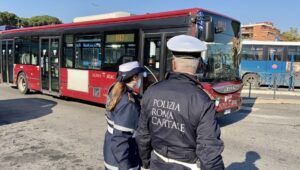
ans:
(252, 79)
(23, 83)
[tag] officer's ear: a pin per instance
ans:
(135, 77)
(173, 64)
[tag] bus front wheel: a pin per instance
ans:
(23, 83)
(252, 79)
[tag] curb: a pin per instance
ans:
(270, 101)
(287, 93)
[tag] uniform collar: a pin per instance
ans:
(182, 76)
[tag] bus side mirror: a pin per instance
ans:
(209, 31)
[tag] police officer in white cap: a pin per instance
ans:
(178, 128)
(123, 110)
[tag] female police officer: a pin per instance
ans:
(123, 110)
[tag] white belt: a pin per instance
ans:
(111, 167)
(110, 129)
(169, 160)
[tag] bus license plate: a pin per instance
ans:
(227, 111)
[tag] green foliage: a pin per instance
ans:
(42, 20)
(11, 19)
(7, 18)
(291, 35)
(23, 22)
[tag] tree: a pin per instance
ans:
(23, 22)
(11, 19)
(7, 18)
(41, 20)
(291, 35)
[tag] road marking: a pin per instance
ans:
(48, 105)
(244, 108)
(269, 116)
(249, 108)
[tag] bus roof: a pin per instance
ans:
(276, 43)
(147, 16)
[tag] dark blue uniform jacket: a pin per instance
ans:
(178, 121)
(120, 149)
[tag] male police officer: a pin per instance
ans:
(177, 128)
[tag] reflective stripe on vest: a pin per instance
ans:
(109, 121)
(110, 129)
(123, 129)
(169, 160)
(111, 126)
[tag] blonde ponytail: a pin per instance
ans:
(116, 93)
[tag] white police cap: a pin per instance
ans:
(186, 44)
(127, 70)
(129, 66)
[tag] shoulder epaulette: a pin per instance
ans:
(153, 84)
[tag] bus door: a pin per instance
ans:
(293, 66)
(155, 57)
(7, 61)
(50, 63)
(275, 64)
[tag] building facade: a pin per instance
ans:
(263, 31)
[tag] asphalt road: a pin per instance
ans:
(43, 132)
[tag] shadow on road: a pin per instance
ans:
(65, 98)
(249, 163)
(69, 99)
(30, 92)
(18, 110)
(237, 116)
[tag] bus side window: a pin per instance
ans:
(294, 51)
(88, 53)
(68, 51)
(34, 50)
(26, 50)
(247, 53)
(275, 53)
(258, 52)
(119, 49)
(297, 55)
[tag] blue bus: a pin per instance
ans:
(262, 62)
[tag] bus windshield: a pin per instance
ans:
(220, 62)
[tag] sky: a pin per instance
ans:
(283, 13)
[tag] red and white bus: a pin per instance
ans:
(80, 59)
